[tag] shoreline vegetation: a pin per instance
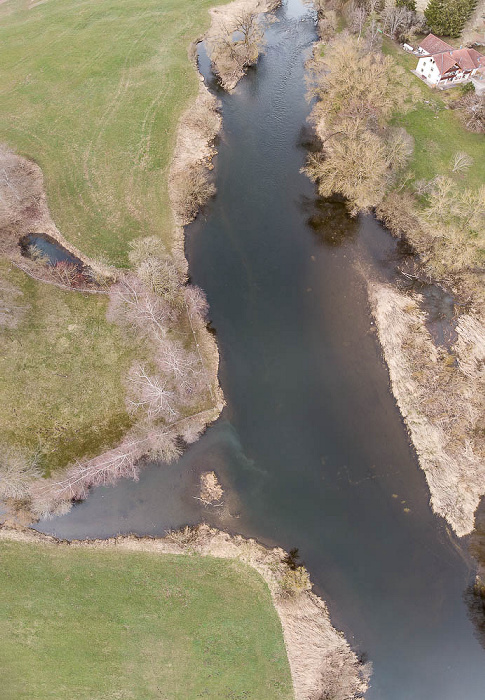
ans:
(321, 662)
(170, 389)
(367, 156)
(235, 38)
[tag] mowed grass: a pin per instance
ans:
(61, 373)
(437, 131)
(92, 91)
(111, 625)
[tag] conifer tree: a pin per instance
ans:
(447, 17)
(407, 4)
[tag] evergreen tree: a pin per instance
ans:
(407, 4)
(447, 17)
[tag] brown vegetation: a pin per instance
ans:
(321, 661)
(441, 395)
(357, 92)
(472, 110)
(189, 185)
(236, 38)
(210, 489)
(448, 231)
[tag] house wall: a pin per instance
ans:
(427, 68)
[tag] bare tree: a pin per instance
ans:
(399, 147)
(357, 18)
(236, 46)
(396, 20)
(461, 162)
(152, 393)
(17, 471)
(373, 36)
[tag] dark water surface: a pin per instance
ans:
(50, 249)
(311, 448)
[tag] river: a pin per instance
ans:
(311, 448)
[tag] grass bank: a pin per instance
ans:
(168, 603)
(437, 131)
(111, 624)
(61, 370)
(93, 91)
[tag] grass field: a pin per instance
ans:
(61, 374)
(92, 91)
(437, 131)
(108, 625)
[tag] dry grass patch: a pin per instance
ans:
(441, 397)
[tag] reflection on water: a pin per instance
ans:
(311, 450)
(46, 246)
(330, 221)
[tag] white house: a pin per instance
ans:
(441, 64)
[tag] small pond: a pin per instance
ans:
(49, 248)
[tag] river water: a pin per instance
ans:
(311, 448)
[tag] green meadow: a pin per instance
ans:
(114, 625)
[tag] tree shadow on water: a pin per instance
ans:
(330, 221)
(474, 595)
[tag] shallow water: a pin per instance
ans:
(50, 249)
(311, 448)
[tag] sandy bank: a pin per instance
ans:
(321, 662)
(441, 396)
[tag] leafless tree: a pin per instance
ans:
(152, 393)
(196, 301)
(461, 162)
(133, 303)
(236, 46)
(17, 471)
(357, 18)
(473, 107)
(399, 147)
(397, 20)
(373, 36)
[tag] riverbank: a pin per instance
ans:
(138, 359)
(118, 622)
(320, 660)
(439, 389)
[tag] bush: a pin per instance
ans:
(296, 581)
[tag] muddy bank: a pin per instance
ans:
(321, 662)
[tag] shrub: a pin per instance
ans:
(295, 581)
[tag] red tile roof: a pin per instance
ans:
(466, 59)
(434, 45)
(444, 61)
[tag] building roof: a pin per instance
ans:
(444, 61)
(466, 59)
(434, 45)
